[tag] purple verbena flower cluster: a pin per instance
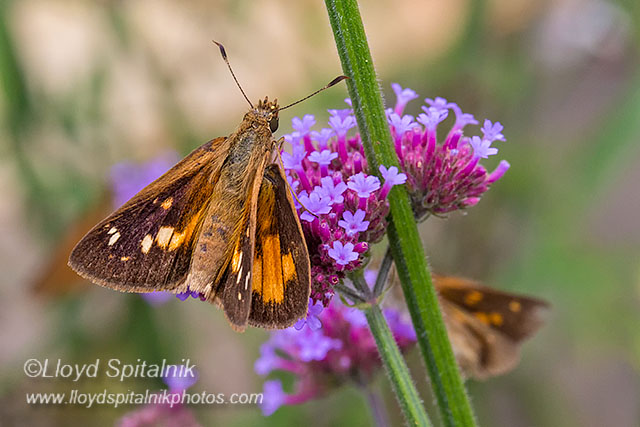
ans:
(342, 350)
(342, 207)
(442, 176)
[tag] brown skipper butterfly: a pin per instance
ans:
(486, 326)
(221, 222)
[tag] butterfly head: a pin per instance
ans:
(268, 110)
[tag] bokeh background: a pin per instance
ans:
(85, 85)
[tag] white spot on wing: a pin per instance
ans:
(246, 280)
(112, 230)
(239, 275)
(164, 236)
(239, 296)
(146, 243)
(114, 238)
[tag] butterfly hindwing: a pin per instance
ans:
(234, 287)
(481, 351)
(146, 245)
(281, 271)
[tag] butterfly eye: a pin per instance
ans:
(273, 123)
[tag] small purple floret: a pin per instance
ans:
(492, 132)
(482, 148)
(323, 158)
(274, 397)
(403, 97)
(363, 185)
(303, 125)
(353, 222)
(343, 254)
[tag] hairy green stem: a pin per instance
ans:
(393, 362)
(383, 273)
(404, 238)
(349, 293)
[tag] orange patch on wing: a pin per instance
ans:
(177, 239)
(473, 297)
(266, 205)
(482, 317)
(272, 283)
(167, 203)
(496, 319)
(236, 261)
(288, 268)
(515, 306)
(257, 275)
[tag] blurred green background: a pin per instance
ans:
(87, 84)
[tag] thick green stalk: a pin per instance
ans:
(397, 371)
(404, 238)
(390, 355)
(393, 362)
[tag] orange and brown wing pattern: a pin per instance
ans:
(487, 326)
(516, 316)
(281, 271)
(146, 245)
(234, 285)
(480, 350)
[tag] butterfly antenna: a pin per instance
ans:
(331, 83)
(224, 56)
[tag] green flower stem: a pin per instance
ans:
(396, 368)
(383, 273)
(349, 293)
(393, 362)
(404, 238)
(361, 286)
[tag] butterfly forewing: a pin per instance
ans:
(486, 326)
(516, 316)
(281, 271)
(147, 244)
